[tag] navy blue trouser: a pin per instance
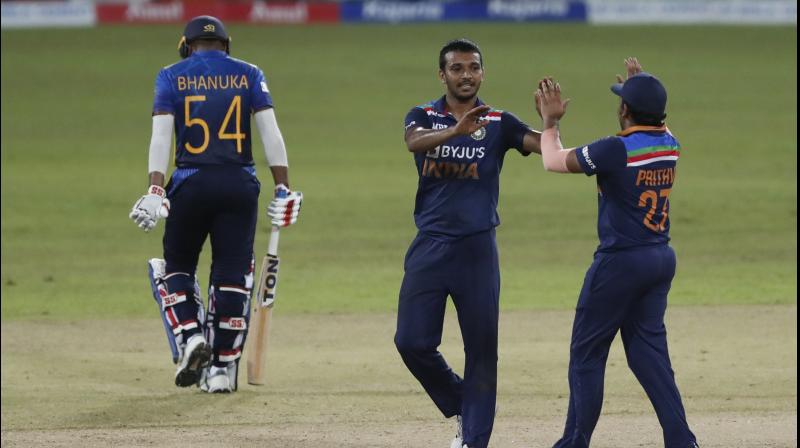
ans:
(220, 201)
(625, 291)
(468, 271)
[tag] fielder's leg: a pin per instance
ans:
(645, 338)
(420, 318)
(475, 283)
(602, 306)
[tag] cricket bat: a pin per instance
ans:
(262, 312)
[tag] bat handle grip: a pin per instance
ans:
(272, 248)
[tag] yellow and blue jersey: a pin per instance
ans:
(459, 181)
(635, 172)
(211, 95)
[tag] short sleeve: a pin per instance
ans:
(417, 118)
(514, 131)
(260, 96)
(602, 156)
(163, 101)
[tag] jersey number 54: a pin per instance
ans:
(235, 106)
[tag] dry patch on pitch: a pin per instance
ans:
(335, 380)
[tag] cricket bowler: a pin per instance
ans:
(207, 99)
(459, 144)
(626, 287)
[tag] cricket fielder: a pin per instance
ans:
(207, 99)
(626, 286)
(459, 145)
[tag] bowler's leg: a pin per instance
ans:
(477, 297)
(420, 317)
(478, 312)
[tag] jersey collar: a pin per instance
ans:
(632, 129)
(440, 105)
(210, 54)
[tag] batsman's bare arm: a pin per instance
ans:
(280, 175)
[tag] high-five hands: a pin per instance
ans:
(632, 67)
(549, 103)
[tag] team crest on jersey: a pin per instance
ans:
(479, 134)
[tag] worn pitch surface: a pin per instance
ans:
(335, 380)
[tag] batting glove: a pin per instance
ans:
(149, 208)
(285, 207)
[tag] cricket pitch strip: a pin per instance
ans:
(336, 380)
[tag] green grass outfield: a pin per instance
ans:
(76, 127)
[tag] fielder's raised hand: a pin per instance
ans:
(285, 206)
(149, 208)
(632, 67)
(549, 103)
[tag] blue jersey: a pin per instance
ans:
(211, 96)
(635, 172)
(459, 181)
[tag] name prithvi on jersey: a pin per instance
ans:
(655, 178)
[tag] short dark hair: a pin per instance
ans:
(461, 45)
(645, 119)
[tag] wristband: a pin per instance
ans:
(156, 190)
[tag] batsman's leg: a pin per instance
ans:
(476, 294)
(420, 318)
(184, 311)
(185, 232)
(155, 269)
(645, 338)
(228, 311)
(232, 237)
(162, 297)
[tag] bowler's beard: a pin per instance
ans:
(454, 92)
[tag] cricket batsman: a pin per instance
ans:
(626, 287)
(459, 144)
(206, 99)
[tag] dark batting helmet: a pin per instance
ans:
(203, 27)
